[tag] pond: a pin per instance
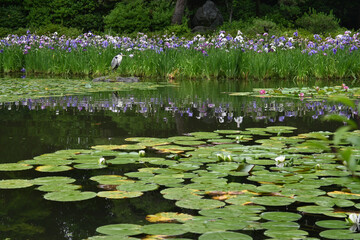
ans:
(82, 129)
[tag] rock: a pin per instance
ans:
(116, 79)
(207, 16)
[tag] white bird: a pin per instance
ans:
(115, 63)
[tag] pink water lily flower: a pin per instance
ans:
(345, 87)
(262, 91)
(301, 94)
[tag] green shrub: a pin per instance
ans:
(318, 22)
(12, 17)
(61, 30)
(260, 26)
(128, 17)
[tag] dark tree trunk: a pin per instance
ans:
(179, 12)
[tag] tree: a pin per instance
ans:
(179, 12)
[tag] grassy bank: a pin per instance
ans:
(170, 57)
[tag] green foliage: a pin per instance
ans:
(12, 17)
(261, 26)
(139, 16)
(318, 22)
(61, 30)
(128, 17)
(178, 30)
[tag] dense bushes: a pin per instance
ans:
(139, 16)
(318, 22)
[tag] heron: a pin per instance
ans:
(115, 63)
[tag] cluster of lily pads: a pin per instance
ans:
(236, 183)
(20, 89)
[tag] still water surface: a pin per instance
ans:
(32, 127)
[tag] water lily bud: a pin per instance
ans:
(317, 167)
(354, 218)
(142, 153)
(102, 161)
(220, 156)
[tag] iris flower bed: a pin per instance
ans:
(220, 56)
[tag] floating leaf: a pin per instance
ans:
(285, 234)
(222, 235)
(120, 229)
(14, 166)
(52, 180)
(51, 168)
(169, 217)
(69, 196)
(119, 194)
(15, 183)
(199, 203)
(339, 234)
(332, 224)
(164, 229)
(280, 216)
(138, 187)
(58, 187)
(272, 201)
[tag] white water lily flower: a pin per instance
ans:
(280, 159)
(102, 161)
(354, 218)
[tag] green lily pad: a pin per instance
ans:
(69, 196)
(315, 209)
(339, 234)
(164, 229)
(15, 183)
(14, 166)
(138, 187)
(120, 229)
(332, 224)
(58, 187)
(272, 201)
(285, 234)
(199, 203)
(52, 180)
(88, 166)
(118, 194)
(190, 143)
(53, 168)
(180, 193)
(201, 224)
(280, 226)
(280, 216)
(223, 235)
(110, 179)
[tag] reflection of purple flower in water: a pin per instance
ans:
(281, 118)
(23, 76)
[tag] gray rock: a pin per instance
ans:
(116, 79)
(208, 16)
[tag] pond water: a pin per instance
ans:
(32, 127)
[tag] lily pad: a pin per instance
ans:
(138, 187)
(285, 234)
(120, 229)
(223, 235)
(52, 180)
(58, 187)
(339, 234)
(272, 201)
(199, 203)
(14, 166)
(280, 216)
(69, 196)
(169, 217)
(118, 194)
(15, 183)
(164, 229)
(53, 168)
(336, 224)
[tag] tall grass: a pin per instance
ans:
(185, 63)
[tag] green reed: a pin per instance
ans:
(185, 63)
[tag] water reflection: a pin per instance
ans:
(234, 110)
